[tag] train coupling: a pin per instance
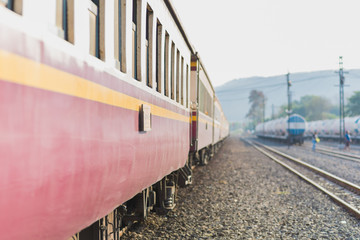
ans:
(185, 176)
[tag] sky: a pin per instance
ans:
(244, 38)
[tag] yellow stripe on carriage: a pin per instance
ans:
(201, 119)
(21, 70)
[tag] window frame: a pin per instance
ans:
(172, 71)
(136, 39)
(65, 19)
(97, 47)
(166, 63)
(182, 82)
(120, 34)
(177, 79)
(158, 56)
(149, 45)
(13, 5)
(187, 85)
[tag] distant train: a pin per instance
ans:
(290, 130)
(105, 108)
(330, 129)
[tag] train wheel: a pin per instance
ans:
(166, 190)
(139, 207)
(107, 228)
(204, 157)
(146, 201)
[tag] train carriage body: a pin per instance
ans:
(89, 115)
(357, 129)
(330, 129)
(352, 125)
(208, 121)
(203, 94)
(225, 127)
(296, 125)
(217, 120)
(290, 129)
(221, 125)
(100, 109)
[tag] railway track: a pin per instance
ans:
(342, 155)
(352, 156)
(343, 192)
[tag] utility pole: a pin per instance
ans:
(341, 95)
(264, 114)
(288, 92)
(288, 111)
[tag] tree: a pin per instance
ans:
(256, 111)
(311, 108)
(315, 107)
(352, 108)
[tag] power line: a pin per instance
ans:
(273, 87)
(219, 92)
(233, 99)
(249, 88)
(243, 98)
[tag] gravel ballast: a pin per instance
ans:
(345, 169)
(241, 194)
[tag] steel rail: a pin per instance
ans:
(337, 152)
(345, 156)
(338, 200)
(340, 181)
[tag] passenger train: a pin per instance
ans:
(105, 109)
(290, 130)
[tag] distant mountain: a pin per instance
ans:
(234, 95)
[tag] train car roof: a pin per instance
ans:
(175, 15)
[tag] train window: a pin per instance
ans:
(14, 5)
(201, 97)
(134, 13)
(149, 45)
(166, 64)
(120, 33)
(136, 39)
(93, 33)
(210, 105)
(205, 101)
(177, 76)
(65, 19)
(97, 28)
(172, 72)
(158, 56)
(187, 85)
(182, 82)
